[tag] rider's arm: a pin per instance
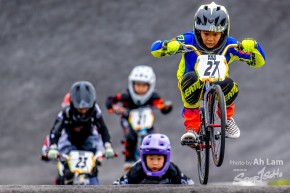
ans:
(122, 98)
(158, 102)
(254, 58)
(135, 175)
(103, 130)
(158, 47)
(111, 100)
(101, 126)
(55, 132)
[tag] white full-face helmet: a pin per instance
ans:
(144, 74)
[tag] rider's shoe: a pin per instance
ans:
(232, 129)
(128, 166)
(189, 135)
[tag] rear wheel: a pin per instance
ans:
(202, 152)
(217, 122)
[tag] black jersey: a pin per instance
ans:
(78, 132)
(136, 175)
(127, 102)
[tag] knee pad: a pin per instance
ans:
(191, 88)
(230, 89)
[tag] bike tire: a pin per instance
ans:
(217, 122)
(203, 153)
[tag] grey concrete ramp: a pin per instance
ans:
(141, 189)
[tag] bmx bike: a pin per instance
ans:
(210, 69)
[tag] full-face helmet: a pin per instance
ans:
(214, 18)
(141, 74)
(155, 144)
(82, 96)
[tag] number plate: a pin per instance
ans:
(81, 162)
(141, 118)
(211, 68)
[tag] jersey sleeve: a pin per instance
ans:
(157, 46)
(55, 132)
(111, 100)
(134, 176)
(103, 130)
(158, 102)
(254, 59)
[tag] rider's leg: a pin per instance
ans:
(93, 143)
(65, 146)
(130, 146)
(191, 119)
(231, 91)
(191, 92)
(131, 139)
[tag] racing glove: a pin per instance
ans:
(249, 45)
(167, 107)
(172, 47)
(109, 152)
(53, 152)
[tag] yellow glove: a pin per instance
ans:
(53, 152)
(109, 152)
(172, 47)
(249, 45)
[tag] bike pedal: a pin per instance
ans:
(189, 143)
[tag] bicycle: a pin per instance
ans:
(79, 167)
(210, 69)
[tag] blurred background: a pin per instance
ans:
(45, 46)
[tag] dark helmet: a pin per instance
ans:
(215, 18)
(155, 144)
(82, 96)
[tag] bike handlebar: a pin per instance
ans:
(119, 109)
(189, 48)
(65, 157)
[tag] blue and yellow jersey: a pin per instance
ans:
(254, 59)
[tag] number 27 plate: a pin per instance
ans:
(211, 68)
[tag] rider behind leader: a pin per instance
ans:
(154, 166)
(140, 93)
(78, 125)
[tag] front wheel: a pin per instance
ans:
(217, 124)
(202, 152)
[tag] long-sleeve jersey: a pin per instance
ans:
(136, 175)
(127, 102)
(254, 59)
(78, 132)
